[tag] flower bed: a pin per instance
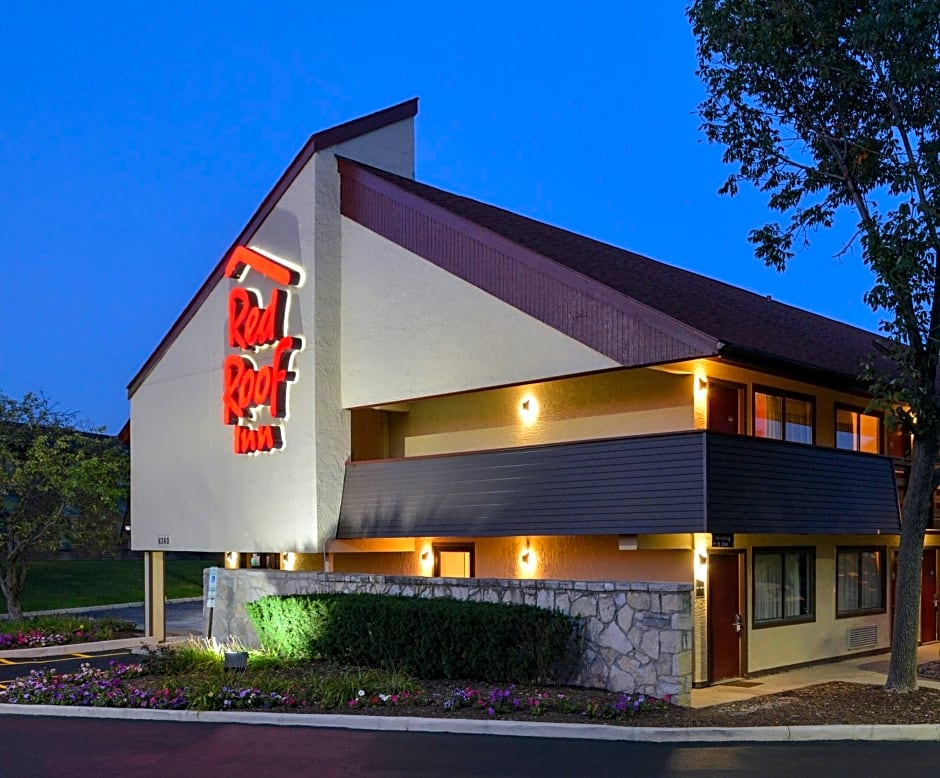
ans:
(60, 630)
(130, 686)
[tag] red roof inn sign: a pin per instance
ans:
(257, 331)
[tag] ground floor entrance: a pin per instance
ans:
(928, 597)
(726, 616)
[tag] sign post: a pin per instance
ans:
(210, 597)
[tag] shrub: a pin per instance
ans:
(433, 638)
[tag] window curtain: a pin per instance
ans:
(871, 594)
(799, 423)
(847, 577)
(768, 581)
(795, 586)
(768, 416)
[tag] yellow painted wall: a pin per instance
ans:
(610, 404)
(825, 399)
(587, 558)
(826, 637)
(625, 402)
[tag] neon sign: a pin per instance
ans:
(247, 387)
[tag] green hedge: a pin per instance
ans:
(431, 638)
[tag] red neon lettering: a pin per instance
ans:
(245, 387)
(250, 441)
(243, 257)
(250, 325)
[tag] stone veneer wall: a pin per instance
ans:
(637, 636)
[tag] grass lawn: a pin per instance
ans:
(75, 584)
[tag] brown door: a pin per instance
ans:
(724, 408)
(928, 597)
(725, 617)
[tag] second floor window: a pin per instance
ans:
(783, 416)
(858, 431)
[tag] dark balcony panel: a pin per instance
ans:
(648, 484)
(764, 486)
(634, 485)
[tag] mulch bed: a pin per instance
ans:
(823, 704)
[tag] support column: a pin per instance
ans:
(154, 595)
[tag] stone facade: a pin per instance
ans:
(637, 636)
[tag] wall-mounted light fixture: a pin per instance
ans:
(528, 409)
(231, 559)
(527, 558)
(425, 555)
(701, 383)
(288, 560)
(700, 568)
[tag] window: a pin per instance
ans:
(783, 586)
(858, 431)
(860, 581)
(783, 416)
(454, 560)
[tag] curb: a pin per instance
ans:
(68, 650)
(875, 732)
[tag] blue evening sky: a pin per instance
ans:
(136, 140)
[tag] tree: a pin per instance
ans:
(829, 105)
(58, 481)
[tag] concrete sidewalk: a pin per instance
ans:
(860, 669)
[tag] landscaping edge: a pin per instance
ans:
(858, 732)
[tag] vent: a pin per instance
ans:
(863, 637)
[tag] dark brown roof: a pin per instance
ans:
(324, 139)
(749, 326)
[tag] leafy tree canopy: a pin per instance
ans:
(827, 105)
(833, 104)
(59, 481)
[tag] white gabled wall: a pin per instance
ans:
(411, 329)
(187, 484)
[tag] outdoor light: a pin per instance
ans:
(701, 571)
(528, 409)
(528, 556)
(702, 383)
(425, 555)
(236, 661)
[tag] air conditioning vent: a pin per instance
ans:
(863, 637)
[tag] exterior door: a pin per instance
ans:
(724, 408)
(928, 597)
(725, 616)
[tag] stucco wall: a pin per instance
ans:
(188, 487)
(637, 636)
(825, 399)
(610, 404)
(826, 636)
(579, 557)
(411, 329)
